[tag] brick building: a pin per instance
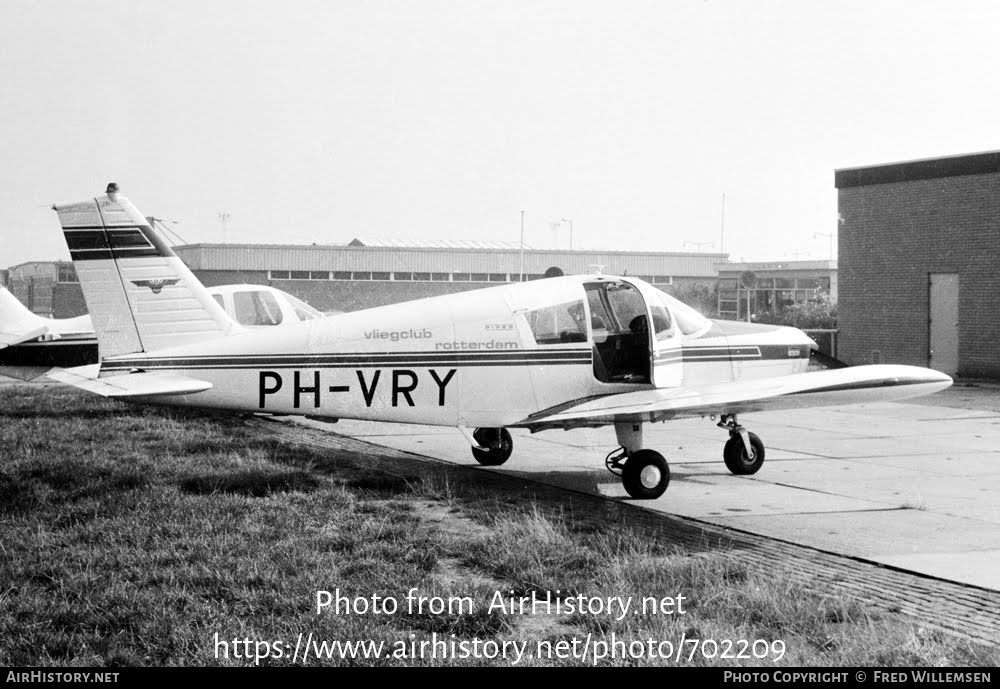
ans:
(919, 246)
(47, 288)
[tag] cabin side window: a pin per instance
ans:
(559, 324)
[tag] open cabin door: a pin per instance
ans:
(666, 356)
(626, 348)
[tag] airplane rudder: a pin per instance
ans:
(140, 294)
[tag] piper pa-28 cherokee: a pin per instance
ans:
(564, 352)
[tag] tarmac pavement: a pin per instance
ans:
(909, 485)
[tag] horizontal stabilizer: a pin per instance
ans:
(25, 373)
(8, 339)
(130, 384)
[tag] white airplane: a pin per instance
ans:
(564, 352)
(18, 324)
(31, 345)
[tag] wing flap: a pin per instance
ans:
(129, 385)
(853, 385)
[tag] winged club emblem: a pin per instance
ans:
(156, 284)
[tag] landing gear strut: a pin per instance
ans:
(744, 451)
(644, 473)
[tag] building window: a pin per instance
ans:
(277, 275)
(341, 275)
(300, 275)
(380, 276)
(405, 277)
(498, 277)
(441, 277)
(480, 277)
(361, 275)
(67, 273)
(460, 277)
(319, 274)
(421, 276)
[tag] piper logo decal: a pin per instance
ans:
(156, 284)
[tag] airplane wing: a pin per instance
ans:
(9, 338)
(130, 384)
(851, 385)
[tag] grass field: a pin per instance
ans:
(151, 536)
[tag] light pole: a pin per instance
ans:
(224, 221)
(570, 221)
(522, 247)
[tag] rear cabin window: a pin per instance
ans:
(558, 324)
(256, 308)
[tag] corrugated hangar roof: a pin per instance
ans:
(444, 259)
(437, 244)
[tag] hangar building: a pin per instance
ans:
(918, 250)
(364, 274)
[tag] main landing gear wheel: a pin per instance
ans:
(499, 445)
(645, 475)
(737, 459)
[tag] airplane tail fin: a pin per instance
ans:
(140, 295)
(17, 323)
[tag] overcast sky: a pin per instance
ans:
(322, 120)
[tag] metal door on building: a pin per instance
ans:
(943, 345)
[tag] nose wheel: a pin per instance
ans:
(744, 451)
(645, 475)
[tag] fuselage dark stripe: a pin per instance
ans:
(354, 358)
(314, 365)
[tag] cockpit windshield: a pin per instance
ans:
(691, 323)
(302, 309)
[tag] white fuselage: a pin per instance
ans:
(468, 359)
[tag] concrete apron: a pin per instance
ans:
(914, 486)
